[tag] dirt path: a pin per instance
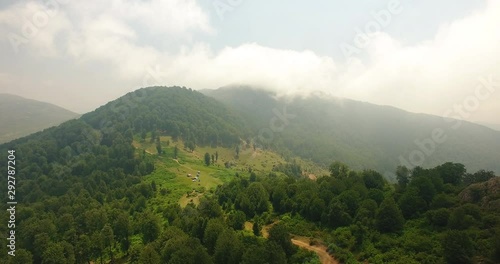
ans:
(303, 242)
(323, 255)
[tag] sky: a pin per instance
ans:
(434, 57)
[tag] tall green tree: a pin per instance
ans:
(158, 147)
(108, 239)
(214, 227)
(339, 170)
(207, 159)
(452, 172)
(279, 234)
(149, 255)
(54, 254)
(176, 151)
(411, 204)
(403, 176)
(457, 247)
(256, 228)
(228, 248)
(258, 197)
(389, 217)
(150, 227)
(23, 256)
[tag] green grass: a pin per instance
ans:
(171, 174)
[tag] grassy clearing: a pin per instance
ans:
(172, 179)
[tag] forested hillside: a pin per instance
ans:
(178, 112)
(115, 186)
(20, 116)
(363, 135)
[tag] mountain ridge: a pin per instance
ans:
(366, 135)
(22, 116)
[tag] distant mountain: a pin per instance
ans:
(492, 126)
(118, 174)
(20, 116)
(317, 128)
(360, 134)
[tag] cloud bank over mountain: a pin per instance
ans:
(82, 54)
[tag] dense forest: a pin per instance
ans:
(82, 197)
(362, 135)
(178, 112)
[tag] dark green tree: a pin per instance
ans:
(257, 254)
(237, 220)
(207, 159)
(228, 248)
(23, 256)
(153, 186)
(276, 254)
(83, 248)
(279, 234)
(108, 239)
(339, 170)
(258, 197)
(209, 207)
(149, 255)
(176, 151)
(457, 247)
(150, 227)
(403, 176)
(338, 214)
(452, 172)
(373, 179)
(253, 177)
(411, 204)
(389, 217)
(54, 254)
(153, 136)
(256, 227)
(158, 147)
(214, 227)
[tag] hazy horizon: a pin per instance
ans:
(413, 56)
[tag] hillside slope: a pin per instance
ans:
(360, 134)
(20, 116)
(178, 112)
(116, 186)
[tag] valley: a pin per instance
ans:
(169, 175)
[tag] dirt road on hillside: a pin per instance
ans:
(324, 257)
(303, 242)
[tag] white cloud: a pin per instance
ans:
(35, 25)
(251, 64)
(435, 75)
(427, 77)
